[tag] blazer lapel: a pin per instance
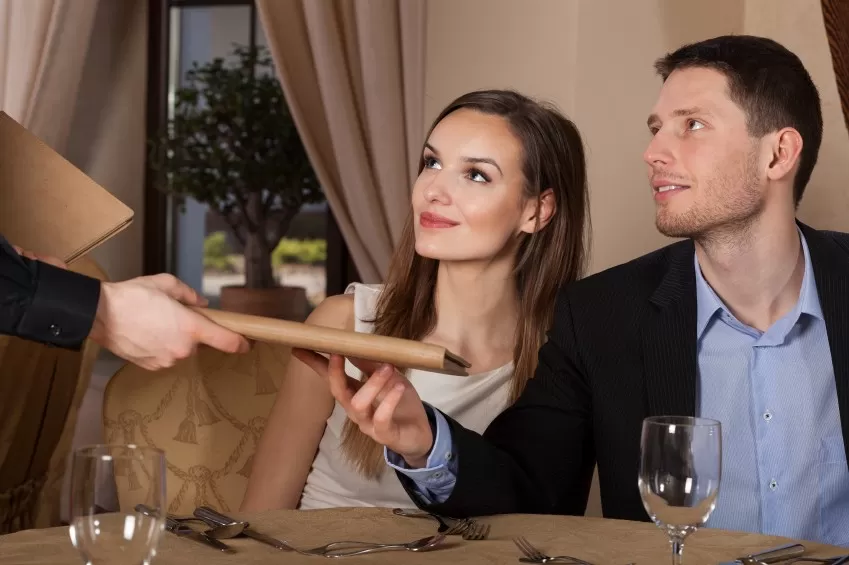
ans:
(831, 270)
(669, 338)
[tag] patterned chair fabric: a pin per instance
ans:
(207, 413)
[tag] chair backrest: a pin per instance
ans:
(41, 389)
(207, 413)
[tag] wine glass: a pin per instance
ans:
(108, 482)
(680, 469)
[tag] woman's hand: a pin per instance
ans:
(385, 406)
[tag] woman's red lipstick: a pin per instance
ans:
(431, 220)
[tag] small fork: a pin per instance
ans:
(455, 529)
(458, 528)
(476, 531)
(534, 555)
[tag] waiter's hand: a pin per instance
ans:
(144, 321)
(43, 258)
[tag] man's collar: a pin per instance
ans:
(709, 303)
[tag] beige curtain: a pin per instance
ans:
(73, 72)
(43, 47)
(353, 74)
(107, 137)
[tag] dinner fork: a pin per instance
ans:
(476, 531)
(455, 529)
(533, 555)
(536, 556)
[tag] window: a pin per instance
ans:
(194, 242)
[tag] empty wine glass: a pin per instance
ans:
(680, 469)
(107, 482)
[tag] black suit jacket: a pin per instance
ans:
(622, 347)
(43, 303)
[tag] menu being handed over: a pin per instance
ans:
(402, 353)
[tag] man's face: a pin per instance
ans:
(702, 163)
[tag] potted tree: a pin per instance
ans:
(232, 144)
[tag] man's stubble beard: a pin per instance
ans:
(730, 205)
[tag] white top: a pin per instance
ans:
(473, 401)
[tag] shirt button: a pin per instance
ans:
(767, 415)
(437, 474)
(448, 456)
(773, 484)
(55, 330)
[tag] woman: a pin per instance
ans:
(498, 223)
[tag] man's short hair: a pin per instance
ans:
(768, 82)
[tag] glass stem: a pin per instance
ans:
(677, 549)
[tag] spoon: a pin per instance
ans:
(331, 549)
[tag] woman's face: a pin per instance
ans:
(469, 202)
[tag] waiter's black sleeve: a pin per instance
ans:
(43, 303)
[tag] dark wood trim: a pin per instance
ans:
(205, 3)
(155, 229)
(252, 34)
(339, 267)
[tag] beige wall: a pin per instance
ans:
(594, 59)
(799, 26)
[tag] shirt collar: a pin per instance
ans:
(708, 303)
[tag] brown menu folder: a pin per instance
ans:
(47, 205)
(402, 353)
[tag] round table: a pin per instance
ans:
(599, 541)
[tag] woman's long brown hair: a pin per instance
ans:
(545, 260)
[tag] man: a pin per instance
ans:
(745, 321)
(142, 320)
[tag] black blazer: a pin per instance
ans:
(622, 347)
(43, 303)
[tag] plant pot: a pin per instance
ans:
(284, 302)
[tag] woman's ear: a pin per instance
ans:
(539, 212)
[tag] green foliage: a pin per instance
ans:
(232, 144)
(216, 252)
(304, 252)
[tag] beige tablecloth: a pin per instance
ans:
(602, 542)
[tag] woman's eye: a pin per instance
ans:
(477, 176)
(431, 163)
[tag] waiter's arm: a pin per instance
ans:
(43, 303)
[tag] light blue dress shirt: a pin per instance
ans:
(784, 468)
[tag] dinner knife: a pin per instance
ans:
(184, 531)
(774, 555)
(213, 517)
(181, 530)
